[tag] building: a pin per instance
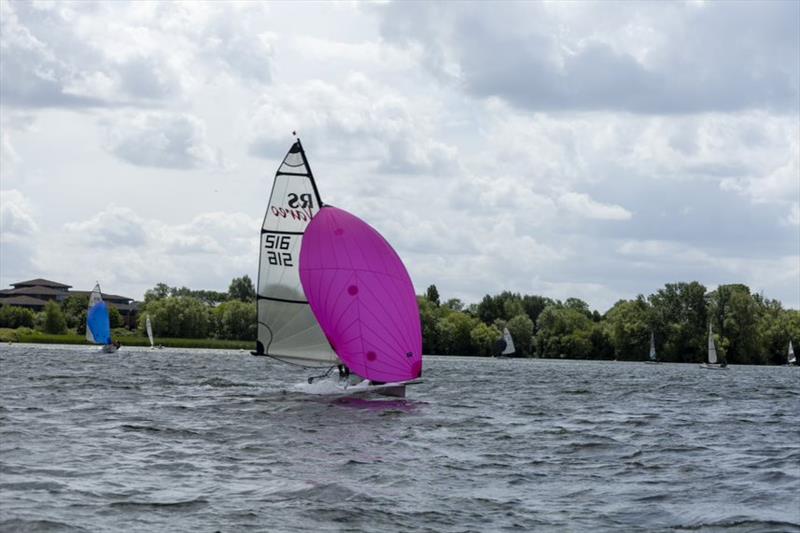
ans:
(35, 293)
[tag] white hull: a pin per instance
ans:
(709, 366)
(334, 387)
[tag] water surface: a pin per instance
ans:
(200, 440)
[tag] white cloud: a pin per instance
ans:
(359, 119)
(582, 205)
(159, 139)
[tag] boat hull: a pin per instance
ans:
(709, 366)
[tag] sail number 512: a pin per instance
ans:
(274, 244)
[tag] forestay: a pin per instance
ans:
(287, 329)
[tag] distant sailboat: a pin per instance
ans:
(332, 292)
(790, 358)
(504, 346)
(652, 355)
(712, 353)
(98, 325)
(149, 328)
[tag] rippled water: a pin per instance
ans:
(202, 441)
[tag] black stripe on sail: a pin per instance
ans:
(284, 300)
(263, 231)
(301, 174)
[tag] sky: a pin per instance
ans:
(596, 150)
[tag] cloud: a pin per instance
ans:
(82, 55)
(359, 119)
(110, 229)
(162, 139)
(660, 58)
(582, 205)
(18, 231)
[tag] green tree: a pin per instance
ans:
(54, 321)
(159, 292)
(236, 320)
(179, 316)
(680, 320)
(242, 289)
(564, 332)
(454, 333)
(735, 315)
(521, 329)
(73, 306)
(454, 304)
(432, 294)
(115, 317)
(16, 317)
(483, 339)
(628, 325)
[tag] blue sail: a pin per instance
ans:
(98, 323)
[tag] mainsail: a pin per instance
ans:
(791, 358)
(652, 347)
(98, 325)
(362, 296)
(287, 329)
(712, 348)
(509, 349)
(149, 328)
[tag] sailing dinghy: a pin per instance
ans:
(332, 292)
(149, 327)
(98, 325)
(505, 345)
(712, 364)
(652, 354)
(791, 360)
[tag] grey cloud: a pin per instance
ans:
(718, 56)
(162, 140)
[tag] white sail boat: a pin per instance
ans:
(652, 355)
(712, 353)
(149, 328)
(504, 347)
(791, 360)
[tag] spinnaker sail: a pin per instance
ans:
(98, 325)
(287, 329)
(362, 297)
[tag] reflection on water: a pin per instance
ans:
(197, 440)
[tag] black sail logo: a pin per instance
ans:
(300, 207)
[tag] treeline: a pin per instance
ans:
(174, 312)
(748, 328)
(185, 313)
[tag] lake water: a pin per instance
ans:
(195, 440)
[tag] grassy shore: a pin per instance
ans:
(30, 336)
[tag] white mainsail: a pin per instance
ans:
(149, 328)
(791, 358)
(712, 348)
(509, 349)
(287, 329)
(652, 347)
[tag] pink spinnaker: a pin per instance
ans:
(362, 297)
